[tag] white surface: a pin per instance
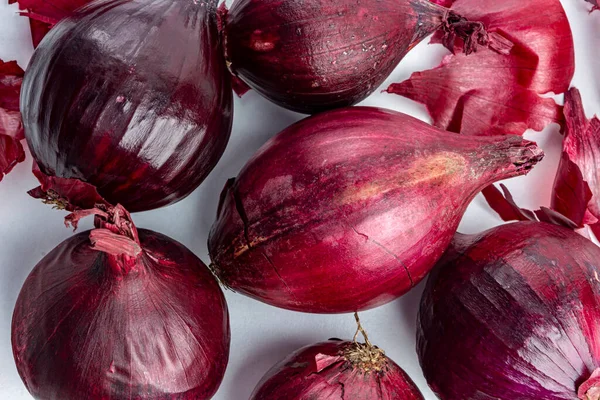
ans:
(262, 335)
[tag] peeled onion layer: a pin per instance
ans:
(310, 56)
(595, 4)
(326, 371)
(492, 94)
(576, 192)
(65, 194)
(505, 205)
(513, 313)
(131, 97)
(44, 14)
(116, 313)
(11, 127)
(576, 188)
(349, 209)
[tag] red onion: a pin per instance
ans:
(513, 313)
(491, 94)
(11, 127)
(314, 55)
(349, 209)
(131, 316)
(337, 370)
(131, 97)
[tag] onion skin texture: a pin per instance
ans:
(349, 209)
(321, 372)
(44, 14)
(131, 97)
(576, 192)
(310, 56)
(494, 94)
(11, 127)
(85, 329)
(513, 313)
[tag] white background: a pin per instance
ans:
(262, 335)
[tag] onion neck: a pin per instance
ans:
(590, 389)
(505, 157)
(473, 34)
(364, 356)
(115, 235)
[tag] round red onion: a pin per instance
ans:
(314, 55)
(513, 313)
(132, 97)
(337, 369)
(349, 209)
(131, 316)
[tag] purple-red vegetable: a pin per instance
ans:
(493, 94)
(117, 313)
(315, 55)
(336, 369)
(349, 209)
(11, 127)
(131, 97)
(513, 313)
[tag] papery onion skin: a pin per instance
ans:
(310, 56)
(349, 209)
(513, 313)
(11, 127)
(322, 372)
(44, 14)
(506, 207)
(492, 94)
(576, 192)
(132, 97)
(88, 325)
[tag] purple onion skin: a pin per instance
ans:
(349, 209)
(512, 313)
(321, 372)
(315, 55)
(132, 97)
(84, 329)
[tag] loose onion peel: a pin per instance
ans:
(491, 94)
(11, 126)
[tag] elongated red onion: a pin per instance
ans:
(336, 369)
(131, 97)
(349, 209)
(119, 314)
(492, 94)
(513, 313)
(314, 55)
